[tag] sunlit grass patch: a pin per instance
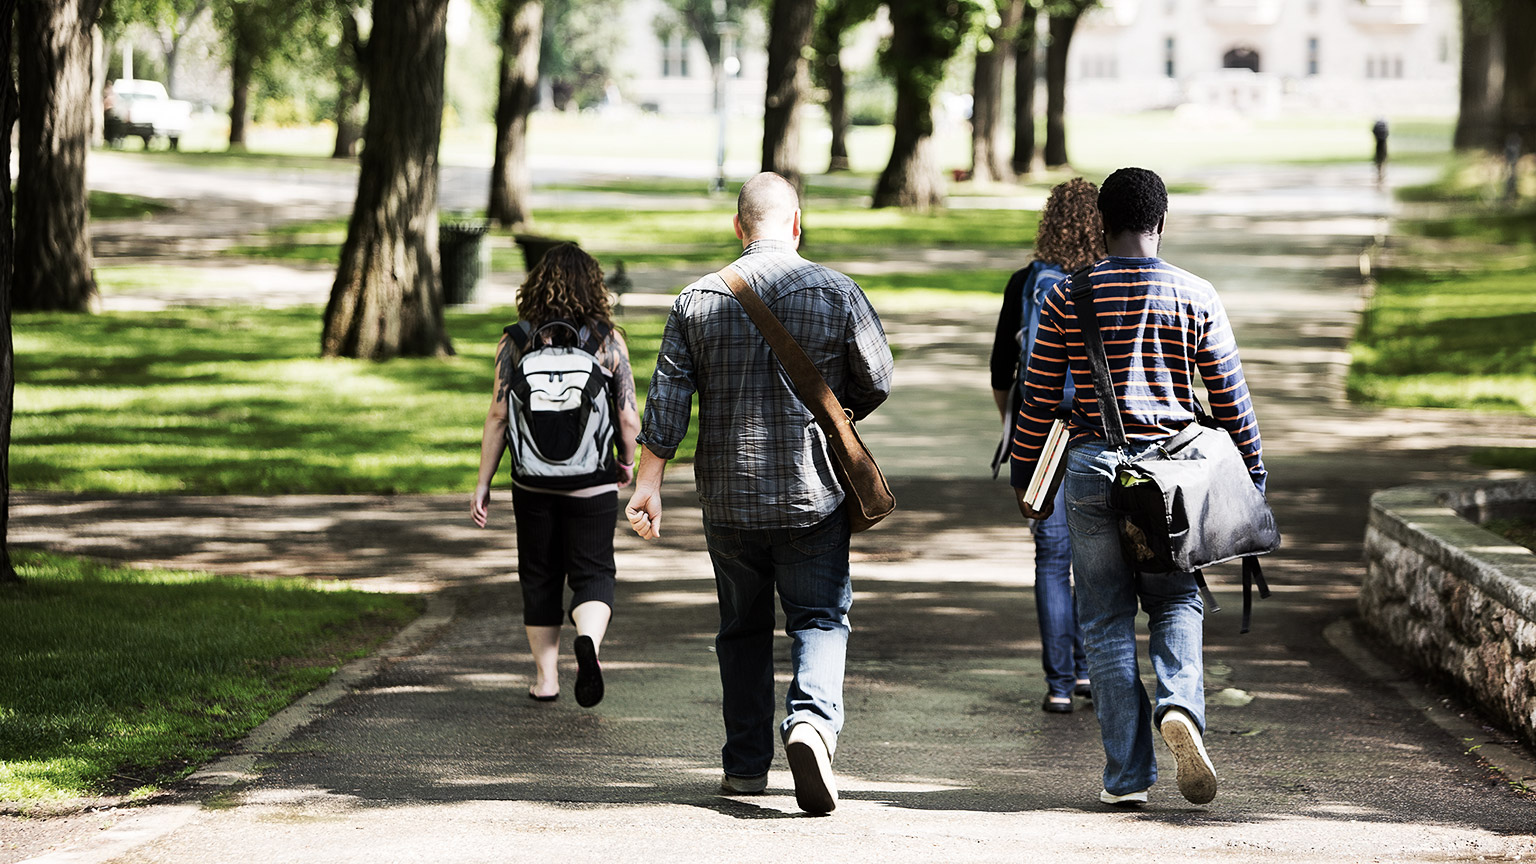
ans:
(112, 205)
(1448, 340)
(115, 680)
(673, 237)
(234, 400)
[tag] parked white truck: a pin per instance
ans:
(142, 109)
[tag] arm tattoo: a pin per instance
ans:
(623, 376)
(504, 363)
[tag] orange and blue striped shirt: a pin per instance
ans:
(1161, 326)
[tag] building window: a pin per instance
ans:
(1168, 67)
(1312, 56)
(1101, 66)
(1384, 66)
(674, 57)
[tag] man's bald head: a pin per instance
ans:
(766, 208)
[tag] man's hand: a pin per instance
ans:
(479, 503)
(644, 512)
(1030, 512)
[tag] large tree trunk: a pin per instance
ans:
(789, 33)
(1062, 27)
(387, 300)
(1024, 92)
(920, 47)
(1482, 78)
(1520, 71)
(351, 60)
(521, 25)
(987, 99)
(7, 349)
(53, 245)
(241, 67)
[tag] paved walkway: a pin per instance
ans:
(946, 756)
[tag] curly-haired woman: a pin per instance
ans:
(565, 523)
(1070, 236)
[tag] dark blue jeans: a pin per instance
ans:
(809, 567)
(1108, 592)
(1061, 645)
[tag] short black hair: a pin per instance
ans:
(1132, 199)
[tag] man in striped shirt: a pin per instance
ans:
(1162, 327)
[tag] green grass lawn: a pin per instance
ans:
(117, 680)
(235, 400)
(1453, 321)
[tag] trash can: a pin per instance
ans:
(534, 246)
(463, 257)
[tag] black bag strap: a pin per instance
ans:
(1093, 345)
(1253, 575)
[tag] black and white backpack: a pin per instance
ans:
(561, 414)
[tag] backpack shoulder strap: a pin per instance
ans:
(597, 334)
(519, 333)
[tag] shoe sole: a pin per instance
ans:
(737, 787)
(589, 675)
(1107, 797)
(1197, 776)
(814, 790)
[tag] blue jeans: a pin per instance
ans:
(809, 567)
(1060, 642)
(1108, 591)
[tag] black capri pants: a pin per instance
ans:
(563, 539)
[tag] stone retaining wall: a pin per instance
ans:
(1457, 600)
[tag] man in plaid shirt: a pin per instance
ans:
(773, 509)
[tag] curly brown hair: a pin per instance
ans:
(566, 283)
(1071, 233)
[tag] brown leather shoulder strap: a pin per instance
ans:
(813, 389)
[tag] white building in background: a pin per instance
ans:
(669, 73)
(1255, 56)
(1265, 56)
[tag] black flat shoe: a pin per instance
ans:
(1083, 689)
(589, 675)
(1056, 707)
(550, 698)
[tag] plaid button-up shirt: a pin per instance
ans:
(762, 461)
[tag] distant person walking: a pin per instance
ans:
(563, 401)
(1161, 327)
(1070, 236)
(1379, 132)
(773, 510)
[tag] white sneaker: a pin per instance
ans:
(731, 784)
(1197, 776)
(1108, 797)
(815, 787)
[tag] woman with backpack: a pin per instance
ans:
(563, 402)
(1070, 236)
